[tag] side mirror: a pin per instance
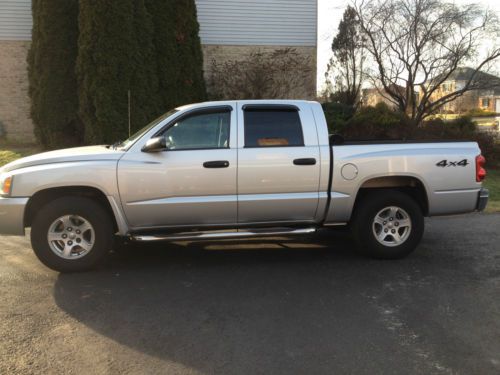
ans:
(155, 144)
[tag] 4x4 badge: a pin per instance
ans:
(446, 163)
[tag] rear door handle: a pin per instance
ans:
(305, 161)
(216, 164)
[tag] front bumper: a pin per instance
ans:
(482, 199)
(12, 215)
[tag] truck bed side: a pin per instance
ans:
(445, 172)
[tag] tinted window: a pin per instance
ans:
(200, 131)
(272, 128)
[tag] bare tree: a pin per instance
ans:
(421, 44)
(276, 74)
(344, 75)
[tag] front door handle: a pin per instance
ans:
(216, 164)
(305, 161)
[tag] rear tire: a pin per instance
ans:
(72, 234)
(387, 224)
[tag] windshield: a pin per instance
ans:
(130, 141)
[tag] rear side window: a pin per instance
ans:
(273, 128)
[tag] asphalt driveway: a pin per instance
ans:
(303, 305)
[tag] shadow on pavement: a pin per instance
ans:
(293, 305)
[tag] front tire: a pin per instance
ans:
(387, 224)
(72, 234)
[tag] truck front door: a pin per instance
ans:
(192, 182)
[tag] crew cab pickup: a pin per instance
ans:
(235, 169)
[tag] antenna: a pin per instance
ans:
(129, 113)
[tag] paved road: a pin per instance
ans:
(275, 306)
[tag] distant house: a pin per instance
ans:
(229, 30)
(375, 95)
(487, 98)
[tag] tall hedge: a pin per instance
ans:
(178, 52)
(145, 104)
(165, 52)
(116, 54)
(51, 72)
(87, 56)
(189, 58)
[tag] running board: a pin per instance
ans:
(212, 235)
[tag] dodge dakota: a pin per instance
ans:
(235, 169)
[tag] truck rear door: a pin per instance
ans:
(278, 163)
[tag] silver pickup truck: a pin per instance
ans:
(235, 169)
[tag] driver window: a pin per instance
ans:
(200, 131)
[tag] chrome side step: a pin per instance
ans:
(212, 235)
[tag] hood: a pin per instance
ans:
(88, 153)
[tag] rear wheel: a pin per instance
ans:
(387, 224)
(72, 234)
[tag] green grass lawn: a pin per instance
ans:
(11, 151)
(6, 156)
(492, 182)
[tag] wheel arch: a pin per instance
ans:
(409, 185)
(42, 197)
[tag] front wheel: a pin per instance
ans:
(387, 224)
(72, 234)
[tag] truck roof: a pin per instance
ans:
(252, 101)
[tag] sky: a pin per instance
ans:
(329, 15)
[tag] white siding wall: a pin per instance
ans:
(15, 19)
(229, 22)
(258, 22)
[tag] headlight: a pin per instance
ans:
(5, 184)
